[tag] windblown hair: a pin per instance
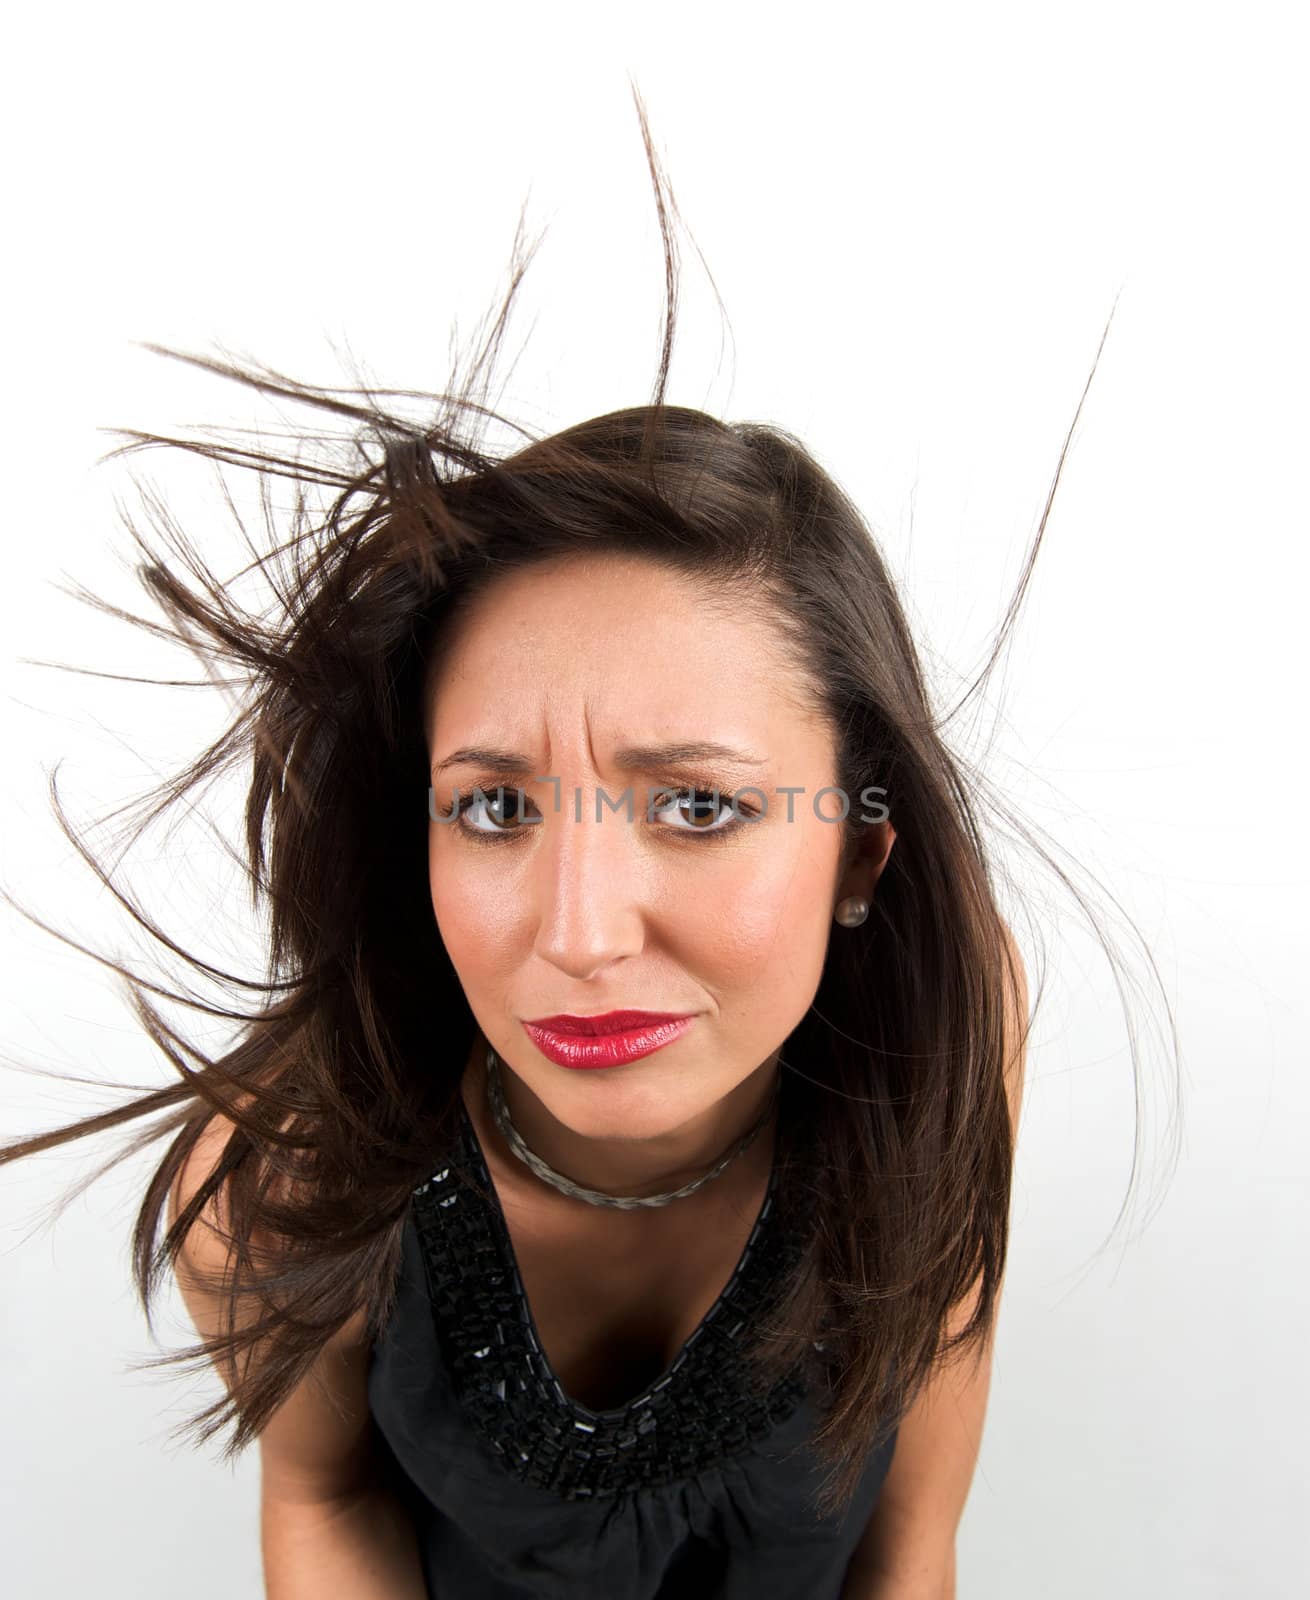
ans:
(337, 1095)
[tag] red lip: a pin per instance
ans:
(605, 1022)
(622, 1040)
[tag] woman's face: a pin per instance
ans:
(543, 909)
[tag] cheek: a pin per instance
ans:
(764, 942)
(474, 917)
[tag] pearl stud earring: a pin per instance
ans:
(851, 911)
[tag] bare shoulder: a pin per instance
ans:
(317, 1446)
(1015, 1003)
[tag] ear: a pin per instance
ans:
(865, 860)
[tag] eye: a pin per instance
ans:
(490, 801)
(705, 803)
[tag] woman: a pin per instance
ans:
(521, 1293)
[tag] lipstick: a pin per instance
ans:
(607, 1040)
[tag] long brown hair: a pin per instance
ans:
(337, 1096)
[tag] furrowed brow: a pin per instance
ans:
(633, 758)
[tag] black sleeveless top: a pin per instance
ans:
(698, 1487)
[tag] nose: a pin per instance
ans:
(587, 882)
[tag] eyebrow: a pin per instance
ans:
(633, 758)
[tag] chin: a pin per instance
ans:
(609, 1110)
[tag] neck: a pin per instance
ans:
(619, 1166)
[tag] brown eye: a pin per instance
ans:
(706, 809)
(503, 806)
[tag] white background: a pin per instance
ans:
(919, 218)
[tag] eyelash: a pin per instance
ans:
(669, 795)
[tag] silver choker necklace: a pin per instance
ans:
(594, 1197)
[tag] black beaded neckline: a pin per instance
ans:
(700, 1411)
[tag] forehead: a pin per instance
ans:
(625, 642)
